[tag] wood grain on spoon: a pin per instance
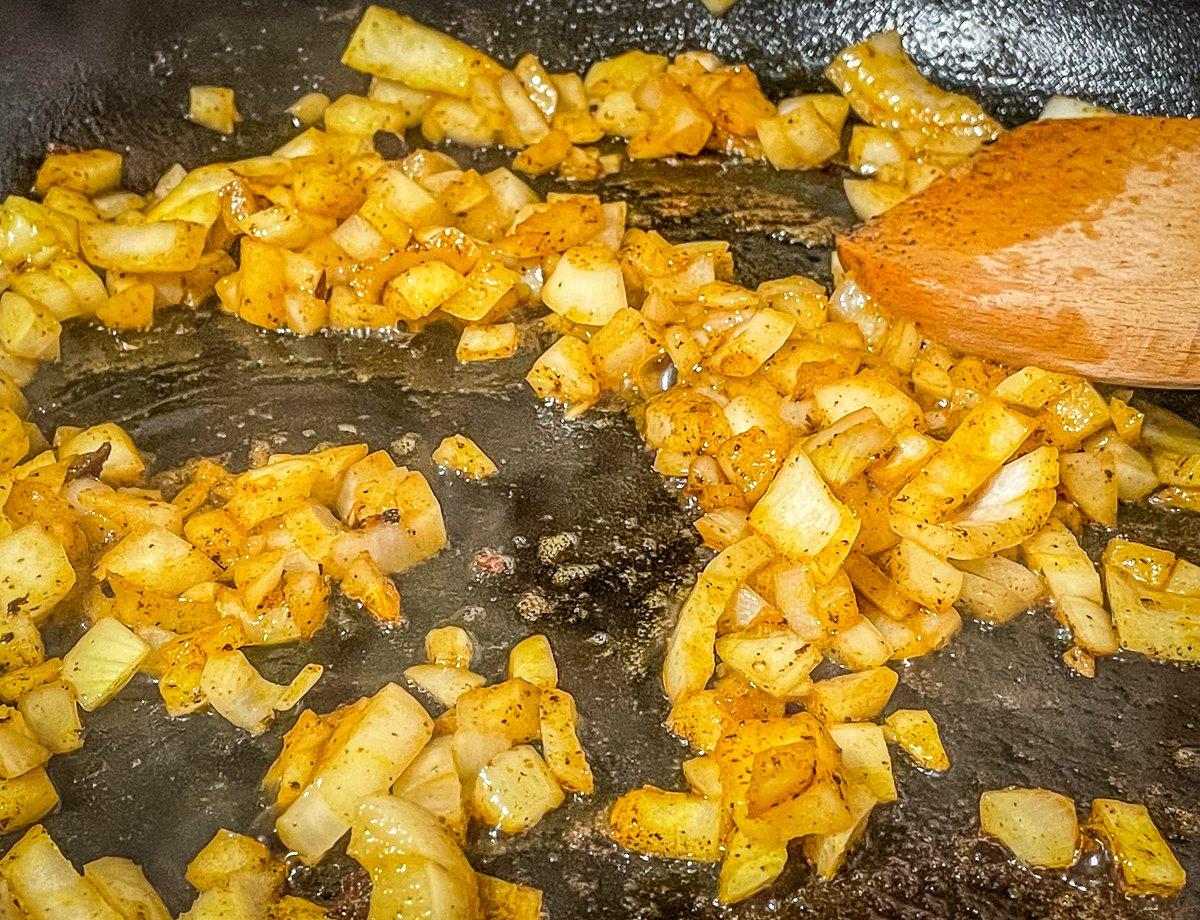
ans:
(1073, 245)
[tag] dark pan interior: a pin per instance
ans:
(116, 73)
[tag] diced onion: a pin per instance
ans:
(386, 736)
(1068, 107)
(1039, 827)
(124, 886)
(586, 286)
(35, 572)
(242, 696)
(213, 107)
(416, 867)
(515, 789)
(465, 457)
(916, 732)
(1145, 863)
(162, 246)
(669, 824)
(47, 885)
(102, 662)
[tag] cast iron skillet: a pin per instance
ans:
(115, 74)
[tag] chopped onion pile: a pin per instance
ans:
(914, 131)
(862, 485)
(176, 588)
(236, 878)
(333, 236)
(406, 786)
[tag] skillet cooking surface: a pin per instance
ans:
(155, 790)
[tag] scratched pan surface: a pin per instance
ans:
(116, 73)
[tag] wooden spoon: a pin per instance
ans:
(1073, 245)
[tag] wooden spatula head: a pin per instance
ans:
(1073, 245)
